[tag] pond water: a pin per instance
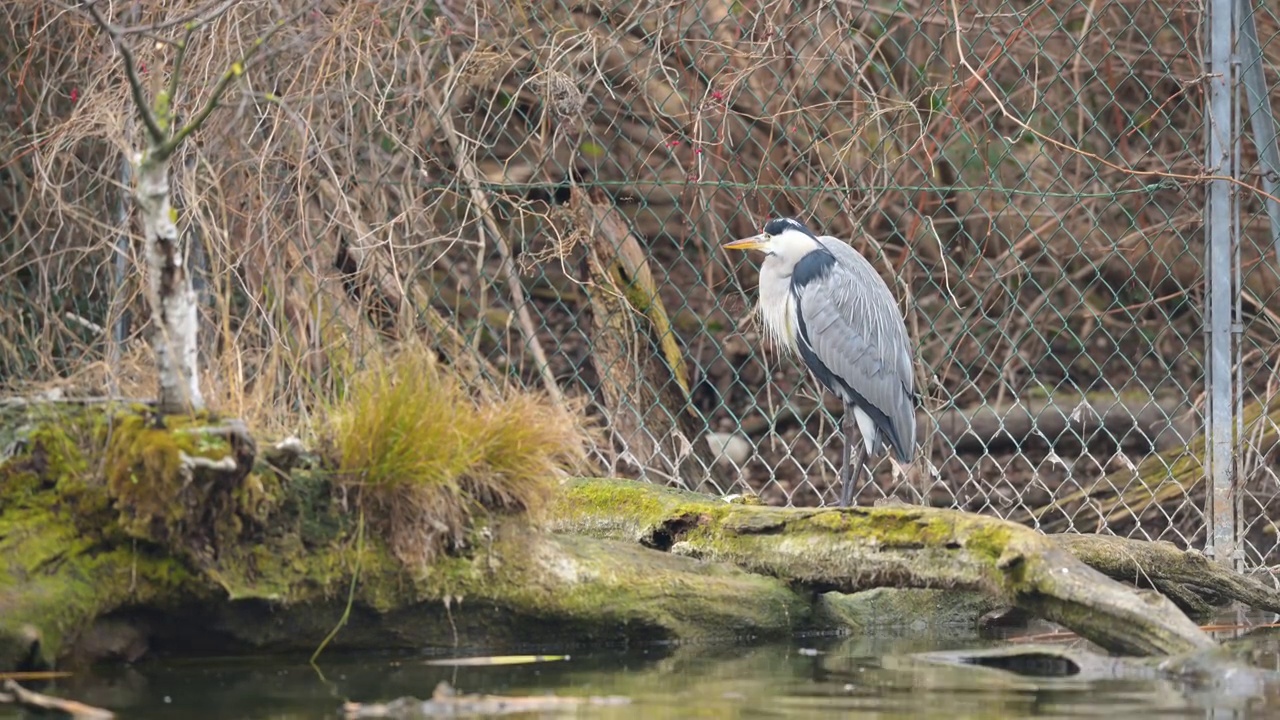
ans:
(877, 676)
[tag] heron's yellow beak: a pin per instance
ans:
(755, 242)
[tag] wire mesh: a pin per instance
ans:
(1258, 296)
(541, 189)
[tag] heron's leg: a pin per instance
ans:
(846, 423)
(850, 473)
(859, 463)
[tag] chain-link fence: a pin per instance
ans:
(541, 189)
(1245, 433)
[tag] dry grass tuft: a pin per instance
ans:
(426, 454)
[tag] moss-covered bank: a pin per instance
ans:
(109, 511)
(122, 530)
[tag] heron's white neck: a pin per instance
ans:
(777, 308)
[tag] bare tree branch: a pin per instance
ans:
(191, 20)
(154, 131)
(179, 56)
(234, 71)
(158, 128)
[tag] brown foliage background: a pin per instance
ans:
(1026, 176)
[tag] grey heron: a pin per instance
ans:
(819, 297)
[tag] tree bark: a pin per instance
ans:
(644, 382)
(1187, 577)
(169, 290)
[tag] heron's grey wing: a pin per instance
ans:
(867, 277)
(850, 324)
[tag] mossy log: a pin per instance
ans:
(853, 549)
(1187, 577)
(122, 530)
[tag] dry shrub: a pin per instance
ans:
(323, 202)
(425, 454)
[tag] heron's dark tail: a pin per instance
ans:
(902, 436)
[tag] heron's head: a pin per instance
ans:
(784, 239)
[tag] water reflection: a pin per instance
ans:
(877, 676)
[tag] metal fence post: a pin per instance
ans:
(1219, 227)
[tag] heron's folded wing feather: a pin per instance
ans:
(852, 325)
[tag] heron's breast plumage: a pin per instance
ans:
(777, 307)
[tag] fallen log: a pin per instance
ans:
(853, 549)
(1089, 419)
(1060, 421)
(1178, 574)
(14, 694)
(1134, 494)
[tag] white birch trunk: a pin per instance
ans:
(169, 292)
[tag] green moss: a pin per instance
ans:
(310, 500)
(145, 470)
(623, 509)
(20, 482)
(991, 542)
(61, 565)
(55, 451)
(286, 571)
(60, 592)
(95, 479)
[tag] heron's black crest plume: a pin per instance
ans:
(777, 226)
